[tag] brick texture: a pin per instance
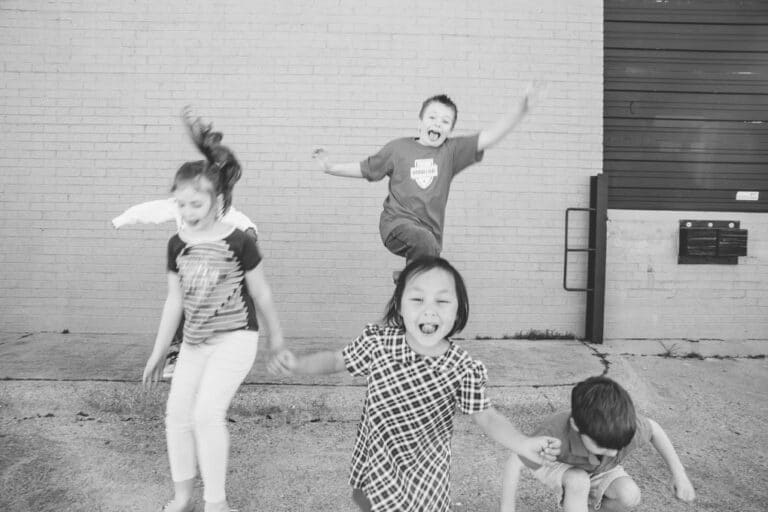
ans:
(649, 295)
(90, 94)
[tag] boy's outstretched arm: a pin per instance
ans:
(500, 429)
(497, 131)
(683, 487)
(347, 170)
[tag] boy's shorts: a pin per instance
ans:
(551, 475)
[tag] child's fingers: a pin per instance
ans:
(549, 448)
(684, 491)
(281, 363)
(318, 153)
(535, 92)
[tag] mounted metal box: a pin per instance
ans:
(711, 241)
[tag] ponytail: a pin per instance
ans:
(221, 166)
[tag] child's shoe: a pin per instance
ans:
(167, 508)
(170, 365)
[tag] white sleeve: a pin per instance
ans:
(151, 212)
(238, 220)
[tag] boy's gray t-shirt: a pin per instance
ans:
(419, 179)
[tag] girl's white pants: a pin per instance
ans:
(204, 382)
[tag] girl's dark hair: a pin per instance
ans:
(604, 411)
(220, 166)
(392, 316)
(445, 100)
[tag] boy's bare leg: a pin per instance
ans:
(622, 495)
(575, 490)
(509, 483)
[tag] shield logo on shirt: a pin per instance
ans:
(423, 172)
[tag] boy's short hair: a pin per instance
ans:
(603, 410)
(445, 100)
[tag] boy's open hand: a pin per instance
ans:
(282, 363)
(684, 488)
(321, 156)
(534, 94)
(540, 449)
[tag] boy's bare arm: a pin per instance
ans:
(509, 483)
(659, 439)
(497, 131)
(347, 170)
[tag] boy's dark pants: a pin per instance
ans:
(411, 241)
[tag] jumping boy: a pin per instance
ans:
(596, 435)
(420, 172)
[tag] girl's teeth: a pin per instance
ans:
(428, 328)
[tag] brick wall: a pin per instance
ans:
(648, 295)
(90, 93)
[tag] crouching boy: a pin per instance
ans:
(597, 434)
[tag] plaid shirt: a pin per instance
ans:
(402, 452)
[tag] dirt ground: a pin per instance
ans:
(98, 445)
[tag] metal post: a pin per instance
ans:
(598, 218)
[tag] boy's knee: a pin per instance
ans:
(425, 246)
(576, 481)
(626, 493)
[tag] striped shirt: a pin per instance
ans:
(402, 453)
(212, 275)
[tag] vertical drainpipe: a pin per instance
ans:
(598, 219)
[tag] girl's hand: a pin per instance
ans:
(321, 156)
(540, 449)
(282, 363)
(684, 489)
(153, 371)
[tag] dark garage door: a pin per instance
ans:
(686, 105)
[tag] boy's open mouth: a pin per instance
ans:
(428, 328)
(433, 135)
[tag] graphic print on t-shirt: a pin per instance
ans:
(423, 172)
(211, 278)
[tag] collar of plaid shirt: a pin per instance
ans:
(403, 353)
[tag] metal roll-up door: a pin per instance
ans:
(686, 105)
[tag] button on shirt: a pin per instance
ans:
(402, 453)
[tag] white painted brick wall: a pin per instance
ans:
(649, 295)
(90, 93)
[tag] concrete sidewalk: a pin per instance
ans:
(293, 436)
(121, 357)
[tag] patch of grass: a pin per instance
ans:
(535, 334)
(482, 337)
(311, 412)
(671, 351)
(128, 401)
